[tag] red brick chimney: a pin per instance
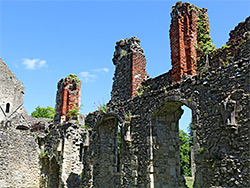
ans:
(183, 37)
(68, 97)
(130, 71)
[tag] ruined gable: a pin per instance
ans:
(11, 94)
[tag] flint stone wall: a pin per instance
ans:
(11, 94)
(136, 143)
(149, 153)
(64, 147)
(19, 159)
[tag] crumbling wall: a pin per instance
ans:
(236, 47)
(220, 106)
(19, 159)
(136, 142)
(128, 56)
(62, 148)
(149, 153)
(11, 94)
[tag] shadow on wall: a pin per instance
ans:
(73, 180)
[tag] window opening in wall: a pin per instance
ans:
(81, 150)
(118, 147)
(7, 108)
(107, 163)
(186, 142)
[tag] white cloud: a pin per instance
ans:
(87, 77)
(101, 70)
(33, 64)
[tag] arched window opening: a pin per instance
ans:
(81, 151)
(7, 108)
(171, 145)
(108, 144)
(185, 146)
(118, 147)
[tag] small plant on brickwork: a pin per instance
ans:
(142, 89)
(85, 127)
(43, 154)
(201, 150)
(101, 107)
(139, 93)
(74, 78)
(127, 115)
(124, 53)
(73, 113)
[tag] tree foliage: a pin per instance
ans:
(40, 112)
(185, 163)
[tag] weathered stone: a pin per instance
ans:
(136, 142)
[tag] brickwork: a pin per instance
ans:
(138, 71)
(68, 97)
(136, 142)
(183, 37)
(130, 68)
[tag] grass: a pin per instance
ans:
(189, 181)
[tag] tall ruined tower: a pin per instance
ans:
(67, 97)
(130, 64)
(183, 39)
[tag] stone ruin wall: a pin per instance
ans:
(128, 56)
(149, 153)
(11, 95)
(19, 161)
(78, 156)
(19, 151)
(62, 165)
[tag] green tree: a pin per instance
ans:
(185, 153)
(40, 112)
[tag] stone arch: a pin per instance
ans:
(106, 161)
(165, 156)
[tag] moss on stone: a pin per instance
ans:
(204, 45)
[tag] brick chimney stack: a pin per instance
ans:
(67, 98)
(130, 64)
(183, 37)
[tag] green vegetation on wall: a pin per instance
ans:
(74, 78)
(204, 45)
(73, 113)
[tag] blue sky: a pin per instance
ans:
(44, 41)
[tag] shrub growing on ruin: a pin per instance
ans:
(73, 113)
